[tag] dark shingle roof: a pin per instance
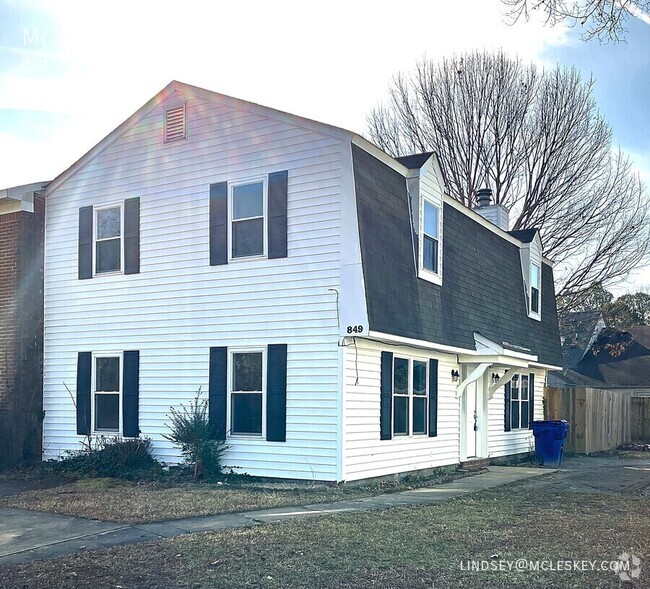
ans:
(417, 160)
(619, 358)
(524, 235)
(577, 330)
(482, 287)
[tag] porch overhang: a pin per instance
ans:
(497, 357)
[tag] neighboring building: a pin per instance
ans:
(21, 322)
(345, 318)
(615, 359)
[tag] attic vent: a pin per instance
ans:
(174, 123)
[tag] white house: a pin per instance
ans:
(345, 317)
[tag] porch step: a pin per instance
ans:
(474, 464)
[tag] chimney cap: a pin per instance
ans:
(483, 197)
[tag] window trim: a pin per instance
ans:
(265, 217)
(229, 390)
(96, 210)
(410, 396)
(425, 273)
(94, 393)
(518, 378)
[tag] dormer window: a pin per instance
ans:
(430, 237)
(430, 251)
(534, 288)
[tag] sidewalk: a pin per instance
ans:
(30, 535)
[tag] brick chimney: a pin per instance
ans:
(495, 213)
(22, 213)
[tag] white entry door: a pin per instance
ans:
(471, 421)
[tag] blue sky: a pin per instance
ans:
(72, 70)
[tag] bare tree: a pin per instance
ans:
(601, 19)
(537, 139)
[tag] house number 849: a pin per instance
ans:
(355, 329)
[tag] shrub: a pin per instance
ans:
(191, 431)
(112, 457)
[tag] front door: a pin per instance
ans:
(471, 421)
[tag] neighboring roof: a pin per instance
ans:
(17, 193)
(414, 161)
(524, 235)
(577, 331)
(619, 358)
(482, 288)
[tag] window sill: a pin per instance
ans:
(535, 316)
(246, 259)
(112, 273)
(430, 277)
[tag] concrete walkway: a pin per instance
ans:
(30, 535)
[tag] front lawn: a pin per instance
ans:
(414, 547)
(133, 503)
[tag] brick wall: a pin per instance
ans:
(21, 334)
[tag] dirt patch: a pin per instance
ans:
(610, 475)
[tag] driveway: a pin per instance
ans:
(596, 474)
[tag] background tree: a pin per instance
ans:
(537, 139)
(628, 310)
(601, 19)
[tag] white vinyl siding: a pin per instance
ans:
(178, 306)
(365, 455)
(516, 441)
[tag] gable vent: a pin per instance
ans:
(175, 124)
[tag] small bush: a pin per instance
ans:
(192, 432)
(112, 457)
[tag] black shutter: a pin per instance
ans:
(276, 393)
(386, 400)
(85, 243)
(217, 393)
(531, 400)
(506, 395)
(132, 236)
(278, 183)
(433, 398)
(130, 394)
(218, 224)
(84, 370)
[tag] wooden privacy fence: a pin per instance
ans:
(640, 408)
(598, 419)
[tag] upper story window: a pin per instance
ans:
(430, 262)
(175, 128)
(248, 220)
(107, 394)
(108, 239)
(247, 393)
(409, 396)
(534, 288)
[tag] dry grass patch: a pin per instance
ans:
(135, 503)
(403, 548)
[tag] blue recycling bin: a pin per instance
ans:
(549, 440)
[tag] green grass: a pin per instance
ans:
(403, 548)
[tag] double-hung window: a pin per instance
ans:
(108, 239)
(107, 393)
(247, 393)
(430, 243)
(248, 219)
(534, 288)
(409, 396)
(519, 399)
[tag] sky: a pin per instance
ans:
(71, 71)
